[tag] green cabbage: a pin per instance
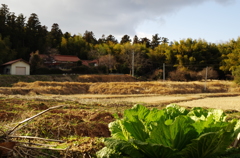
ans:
(171, 132)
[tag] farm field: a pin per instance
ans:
(225, 101)
(82, 119)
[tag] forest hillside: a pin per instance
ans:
(156, 58)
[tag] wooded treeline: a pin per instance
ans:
(186, 59)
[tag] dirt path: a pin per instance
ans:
(225, 103)
(210, 100)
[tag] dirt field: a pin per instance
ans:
(223, 101)
(89, 107)
(83, 120)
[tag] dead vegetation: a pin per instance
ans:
(69, 131)
(9, 80)
(110, 84)
(10, 147)
(161, 88)
(105, 78)
(81, 124)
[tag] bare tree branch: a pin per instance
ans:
(5, 148)
(28, 119)
(39, 138)
(28, 147)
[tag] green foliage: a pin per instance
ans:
(230, 55)
(231, 153)
(35, 61)
(125, 39)
(6, 53)
(75, 45)
(236, 74)
(170, 132)
(55, 36)
(21, 36)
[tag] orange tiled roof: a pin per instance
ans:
(14, 61)
(87, 62)
(70, 58)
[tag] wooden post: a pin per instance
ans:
(133, 63)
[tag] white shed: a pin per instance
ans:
(17, 67)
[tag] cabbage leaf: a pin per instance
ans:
(171, 132)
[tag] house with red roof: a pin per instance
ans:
(16, 67)
(59, 61)
(65, 61)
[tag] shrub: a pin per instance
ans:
(236, 74)
(211, 74)
(157, 74)
(181, 74)
(43, 71)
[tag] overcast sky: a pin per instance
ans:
(213, 20)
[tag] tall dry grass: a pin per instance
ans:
(40, 87)
(105, 78)
(168, 87)
(159, 87)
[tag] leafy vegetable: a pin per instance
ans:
(170, 132)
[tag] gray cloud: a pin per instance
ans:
(116, 17)
(224, 2)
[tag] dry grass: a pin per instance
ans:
(158, 87)
(162, 88)
(9, 80)
(40, 87)
(105, 78)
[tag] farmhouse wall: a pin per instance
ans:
(20, 64)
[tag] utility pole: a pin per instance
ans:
(163, 72)
(206, 75)
(133, 63)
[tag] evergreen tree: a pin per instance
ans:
(4, 14)
(67, 35)
(89, 37)
(145, 41)
(6, 53)
(112, 39)
(102, 40)
(136, 40)
(33, 27)
(55, 36)
(155, 41)
(125, 39)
